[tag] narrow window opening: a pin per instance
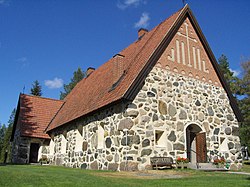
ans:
(100, 137)
(160, 138)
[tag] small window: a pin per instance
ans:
(223, 144)
(51, 147)
(79, 140)
(160, 138)
(100, 137)
(63, 144)
(80, 129)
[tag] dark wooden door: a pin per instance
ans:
(34, 147)
(201, 148)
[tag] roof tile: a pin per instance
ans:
(35, 115)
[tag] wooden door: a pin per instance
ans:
(201, 148)
(188, 139)
(34, 147)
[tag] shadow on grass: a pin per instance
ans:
(12, 164)
(247, 162)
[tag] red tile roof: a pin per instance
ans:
(34, 115)
(95, 91)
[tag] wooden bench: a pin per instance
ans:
(161, 162)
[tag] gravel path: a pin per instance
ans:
(159, 176)
(239, 173)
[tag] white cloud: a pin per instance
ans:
(22, 59)
(5, 2)
(53, 84)
(126, 3)
(236, 72)
(144, 21)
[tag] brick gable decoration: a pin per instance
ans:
(186, 55)
(155, 98)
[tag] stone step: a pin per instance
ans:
(205, 167)
(192, 166)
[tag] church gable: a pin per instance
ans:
(30, 142)
(186, 55)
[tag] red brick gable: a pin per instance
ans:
(34, 114)
(186, 55)
(104, 87)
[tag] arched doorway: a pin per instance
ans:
(196, 144)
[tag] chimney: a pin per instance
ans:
(118, 67)
(141, 33)
(89, 71)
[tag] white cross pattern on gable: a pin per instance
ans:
(181, 49)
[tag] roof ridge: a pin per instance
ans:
(35, 96)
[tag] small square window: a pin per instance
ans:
(160, 138)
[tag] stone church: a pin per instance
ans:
(162, 96)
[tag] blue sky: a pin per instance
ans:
(48, 40)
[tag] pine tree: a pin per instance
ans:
(6, 139)
(36, 89)
(239, 87)
(244, 104)
(2, 133)
(232, 81)
(77, 77)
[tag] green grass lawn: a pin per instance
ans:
(35, 175)
(246, 167)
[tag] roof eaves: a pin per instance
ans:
(48, 130)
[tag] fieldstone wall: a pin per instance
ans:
(156, 121)
(21, 148)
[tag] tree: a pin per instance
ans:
(77, 77)
(36, 89)
(244, 104)
(239, 87)
(6, 139)
(2, 133)
(232, 81)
